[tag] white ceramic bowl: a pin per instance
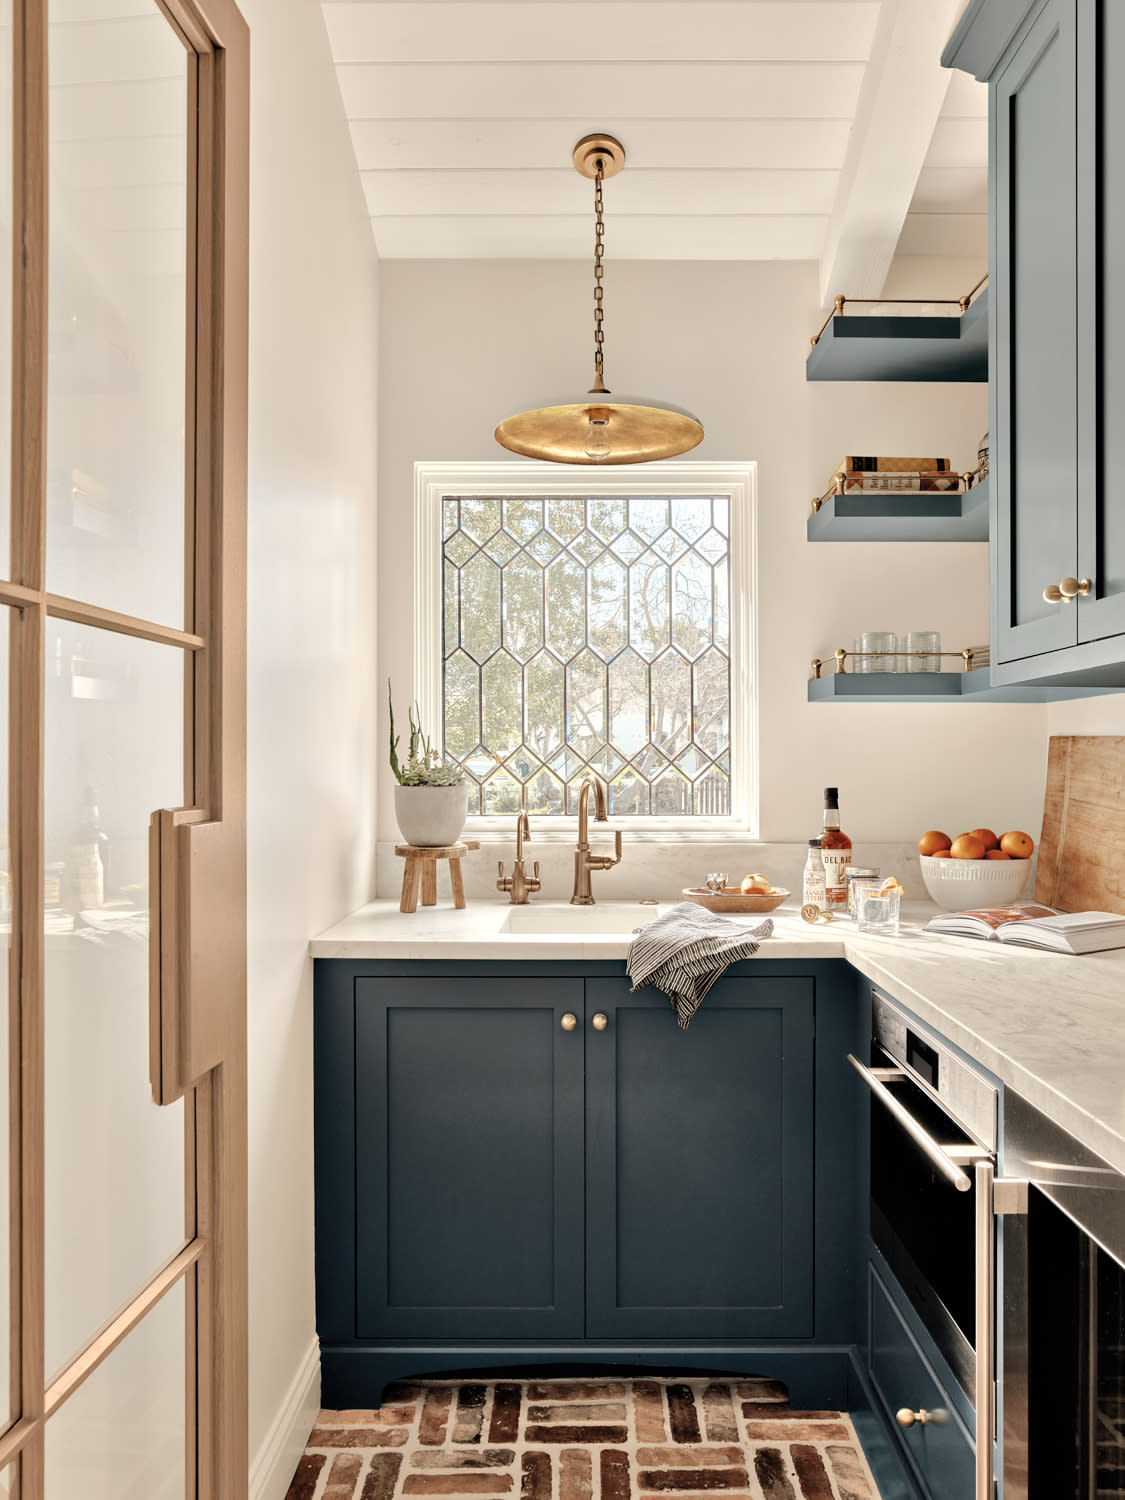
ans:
(961, 884)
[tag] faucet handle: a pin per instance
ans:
(504, 882)
(533, 882)
(607, 861)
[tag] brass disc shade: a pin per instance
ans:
(604, 429)
(637, 432)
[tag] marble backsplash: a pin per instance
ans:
(656, 870)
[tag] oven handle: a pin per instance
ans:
(985, 1320)
(873, 1078)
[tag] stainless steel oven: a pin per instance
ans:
(933, 1199)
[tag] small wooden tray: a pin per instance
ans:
(736, 901)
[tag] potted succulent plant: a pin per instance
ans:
(431, 796)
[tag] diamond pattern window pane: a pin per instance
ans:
(562, 658)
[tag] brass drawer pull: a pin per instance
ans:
(600, 1022)
(907, 1418)
(569, 1021)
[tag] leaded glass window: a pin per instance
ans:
(588, 634)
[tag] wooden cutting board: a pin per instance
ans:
(1081, 860)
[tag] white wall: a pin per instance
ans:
(465, 343)
(1088, 715)
(313, 279)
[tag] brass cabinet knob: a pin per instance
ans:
(569, 1022)
(600, 1022)
(907, 1418)
(1067, 590)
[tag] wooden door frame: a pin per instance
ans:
(213, 1262)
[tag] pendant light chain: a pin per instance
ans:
(599, 312)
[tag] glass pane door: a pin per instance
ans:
(119, 1180)
(115, 1161)
(124, 1433)
(118, 294)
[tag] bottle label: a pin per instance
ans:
(836, 861)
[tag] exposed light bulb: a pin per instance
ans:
(598, 445)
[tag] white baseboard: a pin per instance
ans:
(276, 1460)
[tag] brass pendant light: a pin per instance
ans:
(628, 430)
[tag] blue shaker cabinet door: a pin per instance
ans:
(699, 1163)
(468, 1158)
(1035, 416)
(1101, 317)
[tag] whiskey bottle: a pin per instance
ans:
(836, 851)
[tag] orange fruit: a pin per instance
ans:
(1018, 844)
(941, 854)
(996, 854)
(987, 838)
(967, 847)
(933, 840)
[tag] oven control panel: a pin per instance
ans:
(957, 1087)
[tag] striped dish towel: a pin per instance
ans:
(684, 951)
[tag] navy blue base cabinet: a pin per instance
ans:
(498, 1186)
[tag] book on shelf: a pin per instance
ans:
(1029, 924)
(867, 464)
(916, 481)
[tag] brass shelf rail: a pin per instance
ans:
(965, 484)
(840, 303)
(841, 658)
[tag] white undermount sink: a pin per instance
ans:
(579, 921)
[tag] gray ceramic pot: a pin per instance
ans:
(431, 817)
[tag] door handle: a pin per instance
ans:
(600, 1022)
(193, 978)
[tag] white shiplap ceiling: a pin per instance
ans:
(753, 128)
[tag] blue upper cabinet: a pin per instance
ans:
(1034, 395)
(1057, 210)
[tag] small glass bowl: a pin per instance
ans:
(716, 882)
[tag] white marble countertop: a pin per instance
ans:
(1050, 1025)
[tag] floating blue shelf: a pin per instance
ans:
(935, 687)
(902, 518)
(910, 348)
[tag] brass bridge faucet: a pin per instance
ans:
(584, 861)
(518, 883)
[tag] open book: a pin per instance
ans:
(1035, 926)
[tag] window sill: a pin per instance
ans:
(651, 831)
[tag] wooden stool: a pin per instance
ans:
(421, 870)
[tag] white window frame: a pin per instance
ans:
(735, 481)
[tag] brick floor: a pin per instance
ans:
(585, 1439)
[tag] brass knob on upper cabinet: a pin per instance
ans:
(1067, 590)
(600, 1022)
(907, 1418)
(1070, 588)
(569, 1022)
